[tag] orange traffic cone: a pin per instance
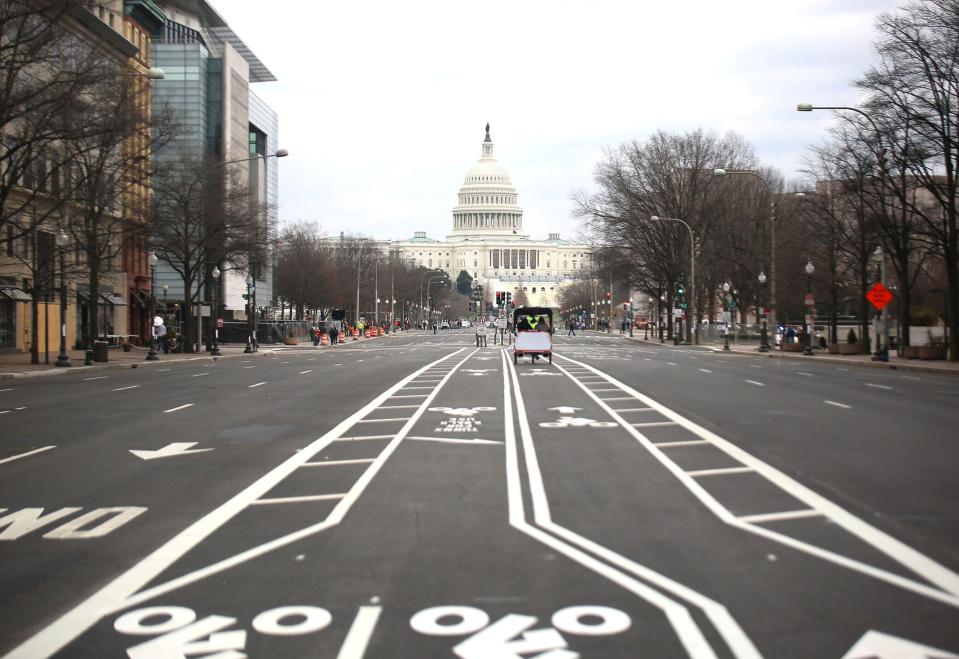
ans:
(356, 334)
(324, 339)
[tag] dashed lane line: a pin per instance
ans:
(177, 409)
(758, 384)
(878, 386)
(258, 384)
(23, 455)
(198, 375)
(835, 404)
(99, 377)
(302, 499)
(132, 386)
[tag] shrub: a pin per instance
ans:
(851, 337)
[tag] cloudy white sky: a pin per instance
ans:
(382, 104)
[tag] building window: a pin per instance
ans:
(257, 141)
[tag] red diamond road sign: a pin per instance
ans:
(879, 296)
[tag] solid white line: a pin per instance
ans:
(683, 624)
(775, 517)
(804, 373)
(337, 463)
(354, 647)
(653, 424)
(688, 442)
(396, 407)
(161, 370)
(10, 389)
(451, 440)
(877, 386)
(119, 593)
(132, 386)
(383, 420)
(174, 409)
(245, 367)
(258, 384)
(411, 396)
(705, 370)
(197, 375)
(758, 384)
(719, 472)
(314, 497)
(930, 570)
(305, 372)
(99, 377)
(843, 406)
(634, 409)
(23, 455)
(362, 438)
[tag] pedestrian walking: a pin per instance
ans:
(334, 334)
(572, 328)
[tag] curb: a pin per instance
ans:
(103, 367)
(833, 360)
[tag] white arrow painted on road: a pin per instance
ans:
(565, 409)
(876, 645)
(176, 448)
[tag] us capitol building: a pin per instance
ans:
(488, 242)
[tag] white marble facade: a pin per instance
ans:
(488, 240)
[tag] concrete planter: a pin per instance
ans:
(849, 349)
(932, 352)
(792, 347)
(291, 341)
(833, 348)
(910, 352)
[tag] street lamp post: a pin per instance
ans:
(216, 329)
(249, 306)
(763, 335)
(63, 359)
(692, 274)
(807, 328)
(152, 262)
(725, 313)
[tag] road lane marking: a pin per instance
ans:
(755, 366)
(451, 440)
(671, 363)
(361, 631)
(338, 463)
(10, 389)
(383, 420)
(198, 375)
(411, 396)
(258, 384)
(396, 407)
(161, 370)
(132, 386)
(878, 386)
(835, 404)
(705, 370)
(302, 499)
(122, 591)
(99, 377)
(23, 455)
(362, 438)
(719, 472)
(634, 409)
(620, 398)
(806, 374)
(653, 424)
(758, 384)
(688, 442)
(181, 407)
(684, 625)
(246, 367)
(904, 377)
(776, 517)
(946, 580)
(305, 372)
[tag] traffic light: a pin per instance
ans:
(509, 298)
(499, 298)
(609, 296)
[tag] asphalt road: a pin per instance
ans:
(414, 496)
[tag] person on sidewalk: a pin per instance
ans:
(572, 328)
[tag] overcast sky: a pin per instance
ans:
(382, 104)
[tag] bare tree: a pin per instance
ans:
(914, 88)
(202, 216)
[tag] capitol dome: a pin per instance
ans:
(487, 200)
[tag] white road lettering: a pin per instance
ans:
(470, 620)
(187, 641)
(611, 621)
(876, 645)
(73, 530)
(25, 521)
(354, 647)
(495, 642)
(308, 619)
(134, 622)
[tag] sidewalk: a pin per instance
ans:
(895, 362)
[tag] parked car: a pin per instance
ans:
(444, 325)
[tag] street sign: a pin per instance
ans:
(727, 317)
(677, 313)
(809, 300)
(245, 296)
(879, 296)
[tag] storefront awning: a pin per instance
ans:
(15, 294)
(114, 299)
